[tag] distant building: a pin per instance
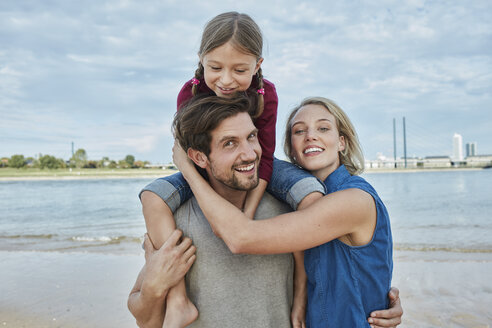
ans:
(436, 162)
(471, 149)
(457, 148)
(479, 161)
(382, 162)
(169, 166)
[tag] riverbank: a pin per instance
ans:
(11, 174)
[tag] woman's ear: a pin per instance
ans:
(341, 146)
(198, 157)
(258, 64)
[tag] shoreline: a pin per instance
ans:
(57, 289)
(66, 175)
(82, 175)
(414, 170)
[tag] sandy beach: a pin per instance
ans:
(53, 289)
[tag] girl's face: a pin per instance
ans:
(316, 140)
(227, 70)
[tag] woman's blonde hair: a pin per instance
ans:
(351, 156)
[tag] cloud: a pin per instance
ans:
(106, 74)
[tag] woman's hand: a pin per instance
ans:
(181, 160)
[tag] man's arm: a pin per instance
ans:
(390, 317)
(163, 269)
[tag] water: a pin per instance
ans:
(438, 210)
(441, 224)
(71, 215)
(429, 210)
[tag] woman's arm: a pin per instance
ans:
(332, 216)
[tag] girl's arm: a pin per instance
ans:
(332, 216)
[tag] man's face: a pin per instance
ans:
(234, 154)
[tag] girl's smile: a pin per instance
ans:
(227, 70)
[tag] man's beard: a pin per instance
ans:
(232, 180)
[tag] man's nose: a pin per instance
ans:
(248, 152)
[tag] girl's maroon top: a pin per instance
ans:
(265, 123)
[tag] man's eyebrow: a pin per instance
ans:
(234, 137)
(227, 138)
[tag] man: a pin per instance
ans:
(229, 290)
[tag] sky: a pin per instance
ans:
(105, 74)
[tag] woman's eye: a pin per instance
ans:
(324, 129)
(215, 68)
(298, 131)
(240, 70)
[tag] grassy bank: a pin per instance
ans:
(8, 173)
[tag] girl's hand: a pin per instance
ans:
(181, 160)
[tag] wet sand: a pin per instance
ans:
(56, 289)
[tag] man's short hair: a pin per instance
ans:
(195, 121)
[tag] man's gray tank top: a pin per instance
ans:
(236, 290)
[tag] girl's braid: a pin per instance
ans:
(198, 76)
(260, 105)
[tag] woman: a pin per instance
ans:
(346, 234)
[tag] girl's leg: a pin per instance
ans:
(299, 189)
(291, 184)
(159, 220)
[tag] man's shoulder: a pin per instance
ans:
(270, 206)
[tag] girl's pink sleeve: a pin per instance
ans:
(266, 130)
(185, 94)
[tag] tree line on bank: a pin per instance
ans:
(78, 160)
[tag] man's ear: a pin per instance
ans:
(198, 157)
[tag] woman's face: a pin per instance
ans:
(227, 70)
(316, 141)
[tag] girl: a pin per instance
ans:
(230, 63)
(346, 234)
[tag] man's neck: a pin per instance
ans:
(234, 196)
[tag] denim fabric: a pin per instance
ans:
(346, 283)
(173, 189)
(291, 184)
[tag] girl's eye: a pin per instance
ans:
(324, 129)
(215, 68)
(300, 131)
